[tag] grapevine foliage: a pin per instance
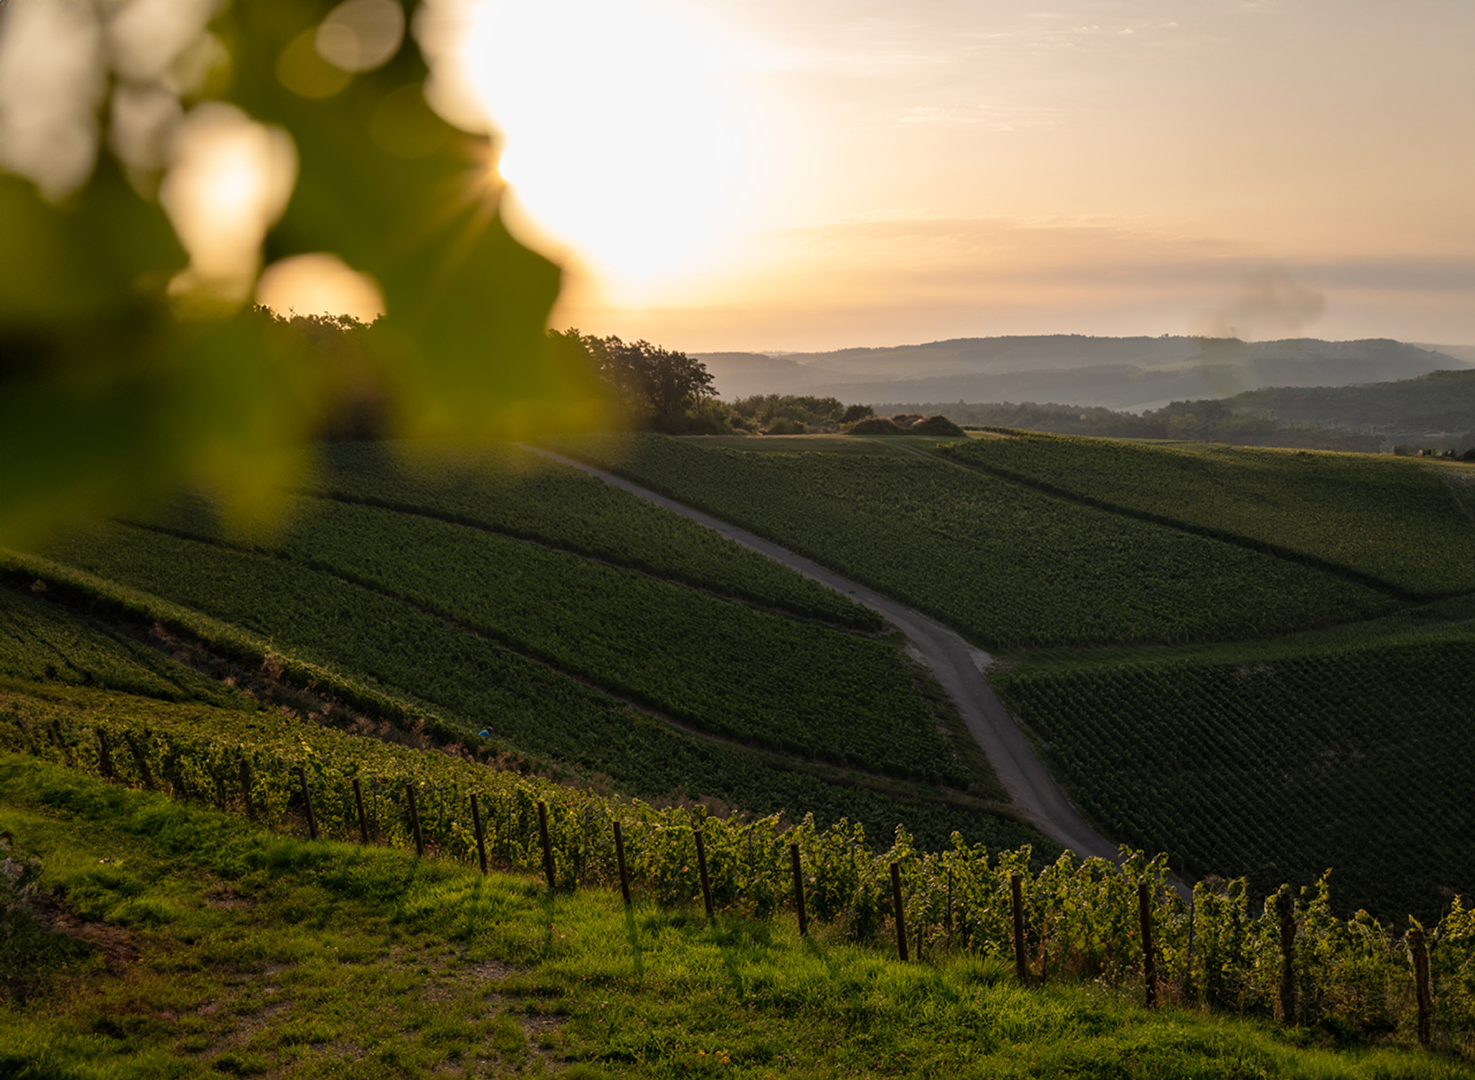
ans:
(115, 389)
(1081, 915)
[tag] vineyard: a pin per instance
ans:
(1391, 520)
(1360, 760)
(42, 642)
(1005, 565)
(1221, 690)
(1070, 919)
(1249, 752)
(379, 654)
(517, 493)
(728, 668)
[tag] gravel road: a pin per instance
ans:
(955, 664)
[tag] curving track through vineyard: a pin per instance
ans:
(1032, 789)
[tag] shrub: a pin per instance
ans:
(936, 425)
(875, 425)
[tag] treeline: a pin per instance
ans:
(1206, 420)
(651, 388)
(658, 389)
(791, 414)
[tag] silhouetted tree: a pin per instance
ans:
(656, 387)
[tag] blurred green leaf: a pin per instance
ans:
(109, 397)
(399, 194)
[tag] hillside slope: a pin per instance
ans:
(603, 638)
(1264, 746)
(1118, 373)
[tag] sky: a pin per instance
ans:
(780, 176)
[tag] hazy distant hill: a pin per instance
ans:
(1459, 352)
(1117, 373)
(743, 374)
(1434, 411)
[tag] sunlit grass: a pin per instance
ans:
(221, 948)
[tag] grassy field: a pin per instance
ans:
(198, 944)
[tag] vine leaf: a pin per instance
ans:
(113, 396)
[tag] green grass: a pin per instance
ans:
(1391, 520)
(217, 947)
(1000, 562)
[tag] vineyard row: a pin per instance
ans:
(998, 561)
(1076, 918)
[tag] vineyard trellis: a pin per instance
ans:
(1073, 919)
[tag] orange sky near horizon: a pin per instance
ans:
(760, 175)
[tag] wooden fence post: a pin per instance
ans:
(750, 856)
(141, 759)
(799, 889)
(1285, 901)
(547, 844)
(620, 858)
(1149, 962)
(105, 764)
(358, 802)
(415, 820)
(582, 862)
(1188, 992)
(896, 904)
(246, 790)
(702, 871)
(950, 907)
(1021, 963)
(312, 821)
(481, 839)
(1420, 954)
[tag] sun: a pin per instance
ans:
(625, 137)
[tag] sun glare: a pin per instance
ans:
(319, 284)
(624, 136)
(229, 181)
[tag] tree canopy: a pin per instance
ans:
(656, 388)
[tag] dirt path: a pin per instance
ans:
(952, 660)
